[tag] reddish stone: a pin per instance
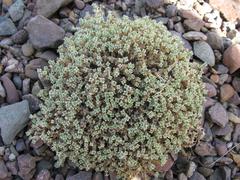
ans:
(226, 92)
(229, 8)
(231, 58)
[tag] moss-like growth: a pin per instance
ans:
(123, 96)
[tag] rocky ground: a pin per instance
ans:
(31, 31)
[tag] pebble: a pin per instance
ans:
(236, 134)
(191, 169)
(26, 164)
(193, 24)
(214, 40)
(195, 36)
(16, 10)
(182, 176)
(79, 4)
(171, 11)
(211, 90)
(154, 3)
(13, 119)
(7, 27)
(204, 52)
(12, 167)
(226, 92)
(219, 131)
(20, 145)
(27, 49)
(221, 147)
(236, 83)
(3, 170)
(179, 27)
(47, 8)
(11, 91)
(32, 66)
(2, 91)
(48, 55)
(233, 118)
(2, 150)
(221, 69)
(205, 149)
(20, 37)
(11, 157)
(36, 88)
(44, 175)
(33, 101)
(218, 115)
(43, 164)
(231, 57)
(17, 81)
(83, 175)
(206, 172)
(26, 86)
(43, 33)
(197, 176)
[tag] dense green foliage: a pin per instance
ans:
(123, 96)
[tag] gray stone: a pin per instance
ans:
(33, 101)
(43, 33)
(27, 49)
(3, 170)
(47, 8)
(197, 176)
(13, 118)
(44, 175)
(20, 37)
(195, 36)
(16, 10)
(205, 149)
(31, 68)
(191, 168)
(171, 10)
(7, 27)
(215, 41)
(17, 81)
(2, 91)
(218, 115)
(204, 52)
(186, 44)
(154, 3)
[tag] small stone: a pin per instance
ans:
(223, 78)
(219, 131)
(43, 164)
(11, 91)
(211, 90)
(233, 118)
(3, 170)
(195, 36)
(235, 99)
(208, 136)
(214, 40)
(7, 27)
(36, 88)
(204, 52)
(20, 145)
(191, 169)
(12, 167)
(182, 176)
(218, 115)
(20, 37)
(205, 149)
(79, 4)
(179, 27)
(17, 81)
(215, 78)
(13, 118)
(236, 83)
(43, 33)
(31, 68)
(2, 91)
(83, 175)
(27, 49)
(97, 176)
(26, 86)
(2, 150)
(186, 44)
(221, 173)
(44, 175)
(221, 147)
(189, 14)
(193, 24)
(26, 164)
(154, 3)
(48, 55)
(231, 58)
(226, 92)
(221, 69)
(163, 20)
(197, 176)
(171, 10)
(206, 172)
(47, 8)
(11, 157)
(16, 10)
(236, 134)
(33, 101)
(59, 177)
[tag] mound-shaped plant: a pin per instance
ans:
(123, 95)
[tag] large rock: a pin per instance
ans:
(13, 119)
(231, 58)
(204, 52)
(47, 8)
(7, 27)
(16, 10)
(230, 8)
(43, 33)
